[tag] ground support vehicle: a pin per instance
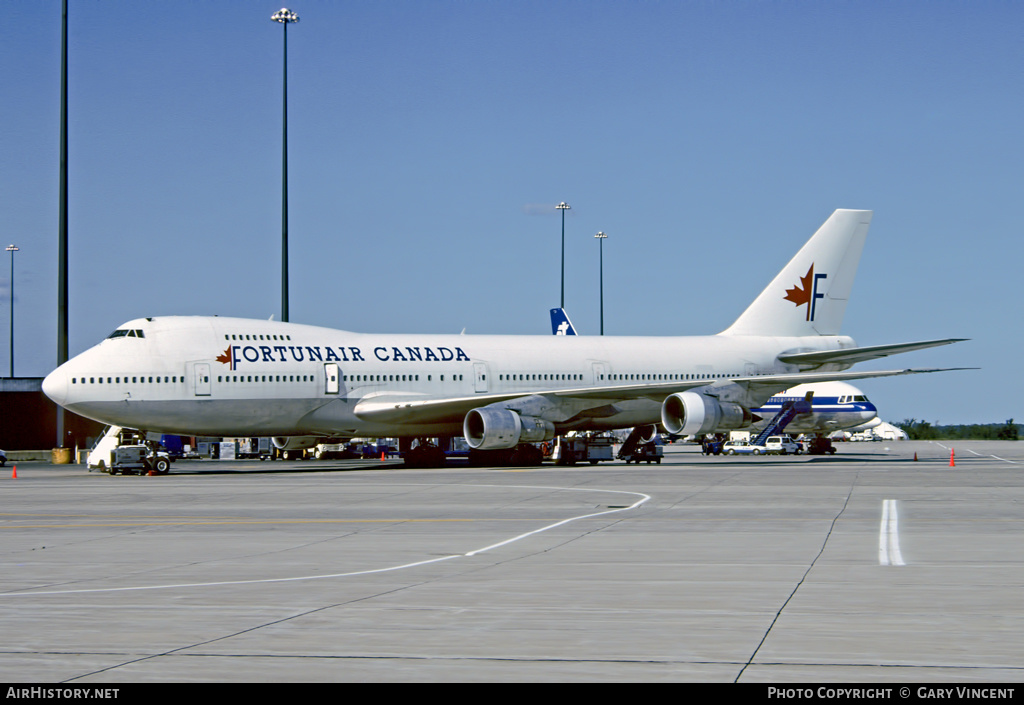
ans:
(425, 455)
(740, 447)
(245, 448)
(712, 446)
(649, 452)
(781, 445)
(333, 451)
(174, 446)
(375, 450)
(457, 448)
(820, 446)
(590, 447)
(139, 460)
(127, 451)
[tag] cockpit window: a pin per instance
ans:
(126, 333)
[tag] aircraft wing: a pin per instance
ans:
(393, 408)
(387, 408)
(852, 355)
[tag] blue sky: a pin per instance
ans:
(430, 140)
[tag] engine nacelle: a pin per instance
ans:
(647, 433)
(295, 442)
(490, 428)
(689, 413)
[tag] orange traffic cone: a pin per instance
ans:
(915, 456)
(952, 464)
(382, 456)
(14, 473)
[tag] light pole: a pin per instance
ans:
(563, 206)
(12, 249)
(601, 237)
(62, 225)
(285, 17)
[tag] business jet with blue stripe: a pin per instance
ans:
(213, 376)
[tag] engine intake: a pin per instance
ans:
(689, 413)
(648, 433)
(295, 442)
(489, 428)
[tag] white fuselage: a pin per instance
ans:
(834, 406)
(226, 376)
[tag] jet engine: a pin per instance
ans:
(647, 433)
(295, 442)
(490, 428)
(689, 413)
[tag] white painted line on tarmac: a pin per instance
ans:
(981, 455)
(643, 498)
(989, 455)
(889, 536)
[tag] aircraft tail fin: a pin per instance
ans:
(560, 323)
(809, 296)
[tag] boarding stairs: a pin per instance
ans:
(789, 411)
(634, 439)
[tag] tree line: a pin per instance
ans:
(925, 431)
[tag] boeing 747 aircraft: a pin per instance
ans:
(212, 376)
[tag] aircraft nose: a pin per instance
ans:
(55, 386)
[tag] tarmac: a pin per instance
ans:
(880, 564)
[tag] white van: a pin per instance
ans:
(781, 445)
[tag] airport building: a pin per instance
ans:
(28, 419)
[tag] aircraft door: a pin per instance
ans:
(201, 375)
(332, 378)
(480, 377)
(599, 372)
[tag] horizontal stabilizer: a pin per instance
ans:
(769, 384)
(852, 355)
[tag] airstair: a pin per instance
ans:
(99, 455)
(787, 413)
(632, 441)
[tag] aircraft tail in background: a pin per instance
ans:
(560, 323)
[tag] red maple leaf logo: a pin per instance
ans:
(225, 356)
(801, 295)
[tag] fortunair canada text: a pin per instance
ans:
(239, 354)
